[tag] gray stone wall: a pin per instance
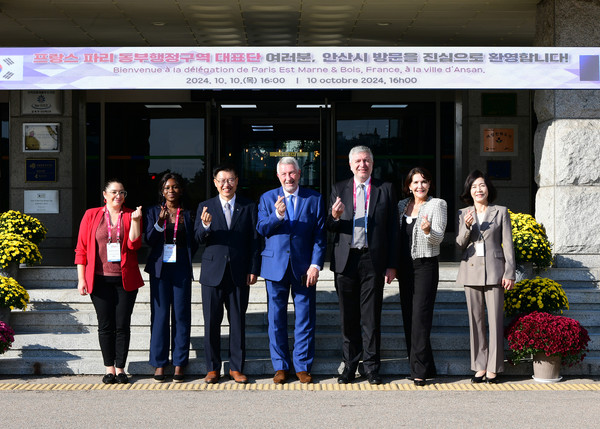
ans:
(567, 141)
(62, 227)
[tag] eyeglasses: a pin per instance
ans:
(115, 193)
(228, 181)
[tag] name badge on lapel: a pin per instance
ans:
(479, 248)
(170, 253)
(113, 252)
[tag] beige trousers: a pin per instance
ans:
(486, 355)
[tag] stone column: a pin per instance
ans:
(567, 141)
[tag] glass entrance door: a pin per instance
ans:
(255, 138)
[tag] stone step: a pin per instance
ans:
(44, 343)
(447, 363)
(66, 320)
(66, 277)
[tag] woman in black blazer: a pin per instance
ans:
(170, 234)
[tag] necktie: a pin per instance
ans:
(291, 211)
(359, 218)
(228, 215)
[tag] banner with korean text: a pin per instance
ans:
(300, 68)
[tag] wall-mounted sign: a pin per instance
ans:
(40, 170)
(498, 139)
(45, 201)
(41, 102)
(41, 137)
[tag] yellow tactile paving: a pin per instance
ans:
(439, 387)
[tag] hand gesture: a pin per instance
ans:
(136, 216)
(206, 217)
(426, 225)
(280, 205)
(337, 208)
(164, 214)
(469, 219)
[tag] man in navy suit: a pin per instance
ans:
(364, 219)
(292, 221)
(226, 225)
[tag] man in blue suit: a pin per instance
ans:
(292, 221)
(226, 224)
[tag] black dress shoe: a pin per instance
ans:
(493, 380)
(178, 378)
(122, 378)
(346, 376)
(419, 383)
(477, 380)
(108, 379)
(374, 378)
(160, 378)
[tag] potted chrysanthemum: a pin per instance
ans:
(12, 295)
(18, 249)
(552, 340)
(15, 222)
(7, 337)
(530, 243)
(538, 294)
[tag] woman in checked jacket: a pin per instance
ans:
(422, 224)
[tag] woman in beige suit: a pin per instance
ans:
(487, 267)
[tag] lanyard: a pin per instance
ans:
(110, 227)
(366, 197)
(175, 230)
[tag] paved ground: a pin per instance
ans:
(80, 401)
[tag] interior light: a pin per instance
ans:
(162, 106)
(313, 106)
(389, 106)
(238, 106)
(262, 127)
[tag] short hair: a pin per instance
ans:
(474, 175)
(409, 177)
(359, 149)
(287, 160)
(224, 167)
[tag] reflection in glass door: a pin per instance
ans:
(255, 139)
(145, 141)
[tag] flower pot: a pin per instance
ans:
(546, 369)
(5, 315)
(11, 270)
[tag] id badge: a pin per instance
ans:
(479, 248)
(170, 253)
(113, 252)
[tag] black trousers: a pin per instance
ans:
(114, 306)
(360, 294)
(235, 300)
(418, 288)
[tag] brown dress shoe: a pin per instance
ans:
(212, 377)
(238, 377)
(280, 377)
(304, 377)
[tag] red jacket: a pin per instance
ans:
(85, 252)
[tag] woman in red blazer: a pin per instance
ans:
(107, 269)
